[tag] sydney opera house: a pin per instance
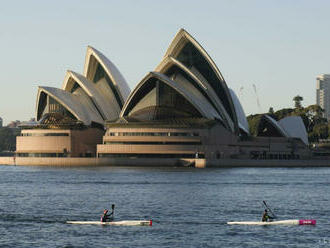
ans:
(182, 111)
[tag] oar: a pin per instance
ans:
(269, 209)
(113, 211)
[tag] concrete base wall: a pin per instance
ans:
(75, 143)
(161, 162)
(230, 163)
(7, 161)
(152, 162)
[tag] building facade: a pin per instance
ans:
(323, 93)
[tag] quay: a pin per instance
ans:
(162, 162)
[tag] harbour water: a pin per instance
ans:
(189, 207)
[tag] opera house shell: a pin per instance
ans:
(184, 109)
(181, 111)
(71, 119)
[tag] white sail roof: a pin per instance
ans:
(294, 127)
(103, 105)
(95, 97)
(241, 117)
(185, 89)
(188, 51)
(277, 126)
(119, 84)
(75, 104)
(169, 63)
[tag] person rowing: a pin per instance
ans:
(266, 217)
(106, 216)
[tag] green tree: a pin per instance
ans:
(314, 116)
(271, 110)
(297, 101)
(282, 113)
(8, 139)
(253, 121)
(320, 131)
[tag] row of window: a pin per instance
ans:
(148, 155)
(280, 156)
(150, 134)
(152, 143)
(41, 155)
(45, 134)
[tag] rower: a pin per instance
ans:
(108, 217)
(266, 217)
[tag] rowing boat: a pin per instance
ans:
(280, 222)
(114, 223)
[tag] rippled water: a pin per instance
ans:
(189, 206)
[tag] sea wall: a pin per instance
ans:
(161, 162)
(35, 161)
(7, 161)
(229, 163)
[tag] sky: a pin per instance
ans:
(278, 47)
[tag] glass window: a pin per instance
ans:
(42, 105)
(45, 134)
(191, 57)
(56, 107)
(152, 134)
(41, 155)
(152, 143)
(75, 87)
(146, 155)
(175, 72)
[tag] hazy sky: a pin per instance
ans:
(280, 45)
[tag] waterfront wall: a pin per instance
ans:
(41, 161)
(161, 162)
(230, 163)
(7, 161)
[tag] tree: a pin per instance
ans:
(271, 111)
(253, 121)
(297, 101)
(320, 131)
(282, 113)
(8, 139)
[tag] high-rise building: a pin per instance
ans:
(323, 93)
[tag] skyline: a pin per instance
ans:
(279, 47)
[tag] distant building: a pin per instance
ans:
(1, 121)
(32, 121)
(14, 124)
(323, 93)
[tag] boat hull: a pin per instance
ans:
(114, 223)
(272, 223)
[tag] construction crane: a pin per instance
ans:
(255, 91)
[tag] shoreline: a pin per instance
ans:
(161, 162)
